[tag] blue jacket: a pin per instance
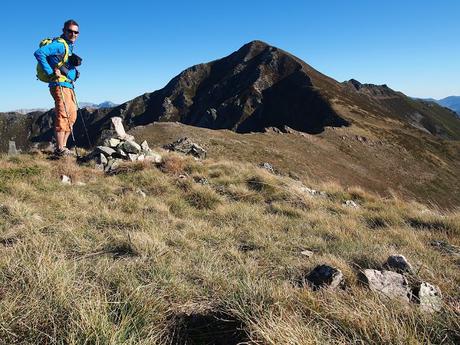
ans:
(50, 55)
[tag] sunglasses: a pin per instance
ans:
(72, 32)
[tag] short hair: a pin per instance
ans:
(70, 22)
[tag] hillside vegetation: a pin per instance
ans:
(210, 252)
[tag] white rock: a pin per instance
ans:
(267, 166)
(153, 157)
(132, 157)
(108, 151)
(307, 253)
(112, 165)
(141, 193)
(121, 152)
(390, 284)
(12, 151)
(118, 126)
(430, 297)
(102, 159)
(66, 179)
(145, 146)
(112, 142)
(310, 191)
(350, 203)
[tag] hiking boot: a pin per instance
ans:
(64, 152)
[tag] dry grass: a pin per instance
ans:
(215, 262)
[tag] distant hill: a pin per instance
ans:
(31, 110)
(103, 105)
(451, 102)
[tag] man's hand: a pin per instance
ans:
(57, 73)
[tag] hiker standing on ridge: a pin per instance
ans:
(57, 66)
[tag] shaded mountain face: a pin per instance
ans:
(256, 87)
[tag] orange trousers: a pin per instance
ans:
(65, 108)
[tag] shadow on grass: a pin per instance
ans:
(208, 329)
(431, 225)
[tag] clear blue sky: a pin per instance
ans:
(132, 47)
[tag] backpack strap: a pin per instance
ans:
(65, 58)
(66, 53)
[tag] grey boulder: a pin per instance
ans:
(188, 147)
(130, 146)
(398, 263)
(108, 151)
(325, 276)
(390, 284)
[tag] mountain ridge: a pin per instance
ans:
(105, 104)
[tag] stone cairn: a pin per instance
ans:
(118, 146)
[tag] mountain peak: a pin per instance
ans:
(257, 43)
(251, 50)
(356, 84)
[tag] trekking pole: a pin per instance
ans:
(68, 121)
(81, 116)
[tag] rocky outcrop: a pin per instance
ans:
(188, 147)
(372, 90)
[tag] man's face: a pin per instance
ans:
(71, 33)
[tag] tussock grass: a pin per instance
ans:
(214, 262)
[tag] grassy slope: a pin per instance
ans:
(404, 161)
(101, 264)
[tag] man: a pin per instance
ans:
(50, 58)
